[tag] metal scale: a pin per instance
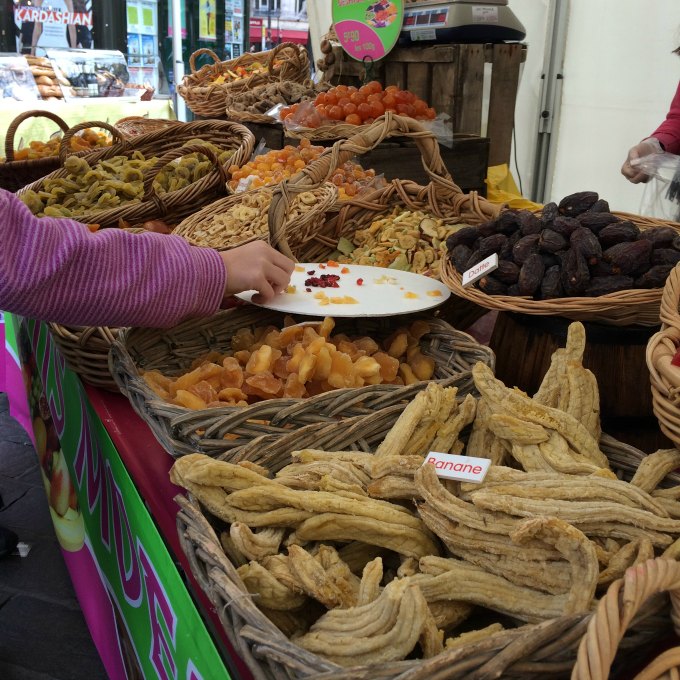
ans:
(460, 21)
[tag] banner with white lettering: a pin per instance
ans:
(53, 23)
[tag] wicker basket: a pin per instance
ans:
(178, 428)
(615, 611)
(16, 174)
(167, 144)
(309, 222)
(627, 307)
(286, 61)
(661, 348)
(544, 650)
(132, 126)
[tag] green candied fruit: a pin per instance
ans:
(33, 201)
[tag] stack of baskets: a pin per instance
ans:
(208, 99)
(86, 348)
(216, 431)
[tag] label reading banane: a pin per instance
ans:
(460, 468)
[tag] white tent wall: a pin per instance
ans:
(619, 78)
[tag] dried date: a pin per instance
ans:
(587, 244)
(575, 274)
(529, 223)
(549, 213)
(604, 285)
(629, 258)
(597, 221)
(465, 237)
(618, 233)
(492, 286)
(654, 277)
(531, 275)
(492, 244)
(526, 246)
(661, 237)
(665, 256)
(507, 272)
(551, 286)
(577, 203)
(600, 206)
(565, 225)
(459, 257)
(507, 222)
(550, 241)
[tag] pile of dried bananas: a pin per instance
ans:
(115, 181)
(410, 240)
(367, 558)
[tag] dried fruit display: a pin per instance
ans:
(298, 361)
(279, 164)
(410, 240)
(357, 106)
(261, 98)
(574, 249)
(115, 181)
(86, 140)
(334, 545)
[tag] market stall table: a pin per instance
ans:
(147, 615)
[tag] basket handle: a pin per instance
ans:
(616, 610)
(150, 192)
(295, 54)
(11, 130)
(670, 299)
(198, 53)
(65, 145)
(388, 125)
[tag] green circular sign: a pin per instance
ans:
(368, 28)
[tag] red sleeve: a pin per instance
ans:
(668, 133)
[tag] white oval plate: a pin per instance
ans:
(383, 292)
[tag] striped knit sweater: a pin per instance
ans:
(56, 270)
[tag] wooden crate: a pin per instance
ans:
(451, 79)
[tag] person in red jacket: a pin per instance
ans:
(665, 138)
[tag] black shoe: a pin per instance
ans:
(8, 542)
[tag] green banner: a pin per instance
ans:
(137, 607)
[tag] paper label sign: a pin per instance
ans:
(480, 269)
(461, 468)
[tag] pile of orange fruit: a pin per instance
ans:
(86, 140)
(279, 164)
(360, 106)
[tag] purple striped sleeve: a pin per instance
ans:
(56, 270)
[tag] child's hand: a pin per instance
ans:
(256, 266)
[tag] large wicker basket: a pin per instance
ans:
(665, 378)
(308, 222)
(16, 174)
(441, 197)
(628, 307)
(140, 125)
(167, 145)
(181, 431)
(204, 97)
(544, 650)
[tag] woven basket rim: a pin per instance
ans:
(237, 136)
(176, 426)
(215, 573)
(627, 307)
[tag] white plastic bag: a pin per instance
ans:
(661, 198)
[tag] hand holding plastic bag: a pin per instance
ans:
(632, 169)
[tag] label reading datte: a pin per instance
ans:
(460, 468)
(480, 269)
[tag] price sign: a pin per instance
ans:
(368, 28)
